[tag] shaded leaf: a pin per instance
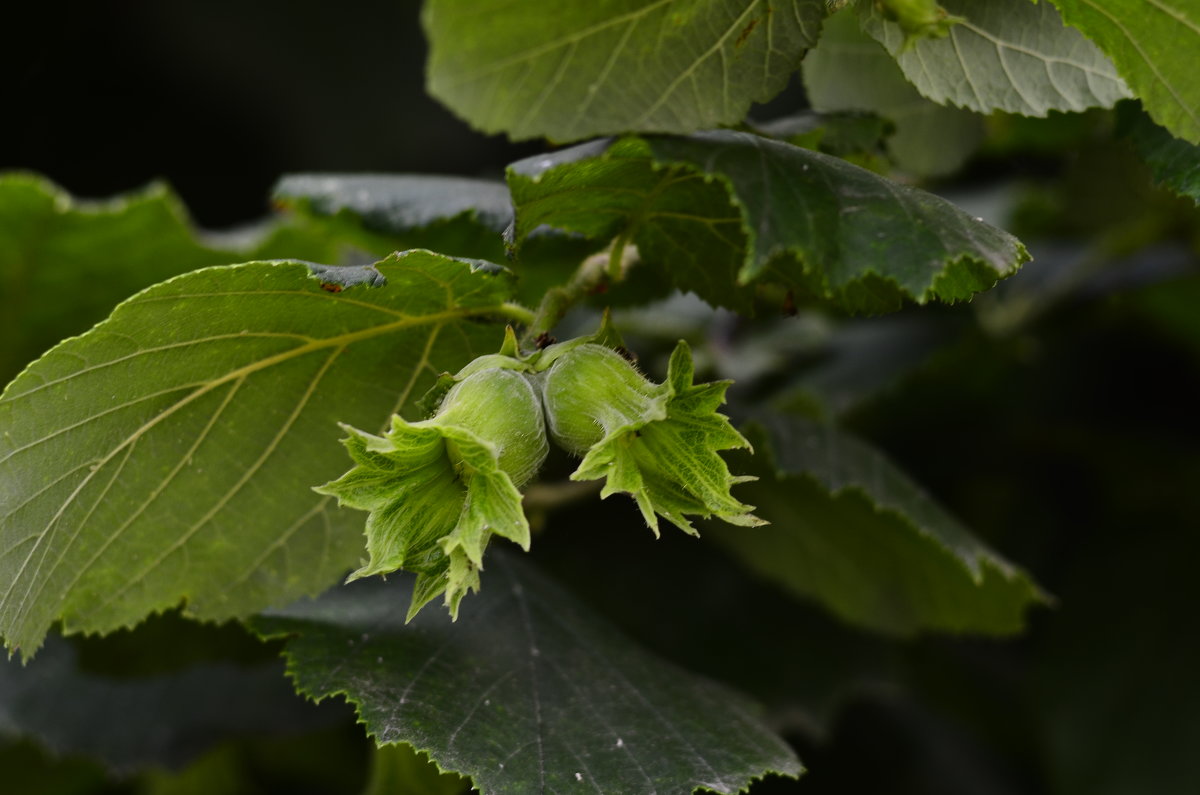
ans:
(1010, 55)
(864, 358)
(851, 530)
(847, 70)
(399, 203)
(452, 215)
(599, 68)
(695, 605)
(527, 692)
(1154, 46)
(167, 643)
(851, 135)
(1174, 163)
(163, 720)
(377, 216)
(723, 211)
(169, 453)
(65, 263)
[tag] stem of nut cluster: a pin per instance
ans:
(558, 300)
(517, 313)
(616, 257)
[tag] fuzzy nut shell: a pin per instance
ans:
(591, 391)
(501, 408)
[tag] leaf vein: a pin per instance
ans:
(157, 491)
(690, 70)
(232, 492)
(551, 46)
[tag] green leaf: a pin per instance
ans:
(453, 215)
(851, 135)
(527, 692)
(852, 531)
(721, 212)
(692, 603)
(847, 70)
(399, 203)
(382, 214)
(598, 68)
(64, 263)
(163, 720)
(1153, 43)
(169, 453)
(1174, 163)
(1010, 55)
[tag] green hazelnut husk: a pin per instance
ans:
(658, 443)
(436, 490)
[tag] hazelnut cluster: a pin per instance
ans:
(436, 490)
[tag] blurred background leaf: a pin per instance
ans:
(848, 70)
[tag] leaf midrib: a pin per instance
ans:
(204, 387)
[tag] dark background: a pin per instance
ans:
(221, 97)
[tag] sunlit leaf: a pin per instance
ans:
(1010, 55)
(1154, 44)
(65, 263)
(590, 69)
(848, 70)
(169, 454)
